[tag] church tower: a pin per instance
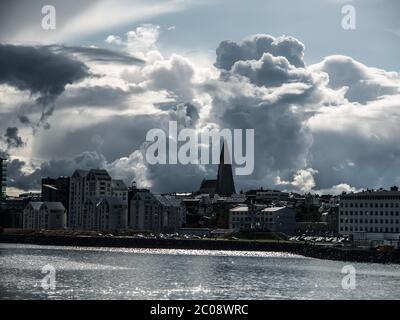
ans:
(225, 185)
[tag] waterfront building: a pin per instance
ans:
(222, 205)
(371, 211)
(45, 215)
(262, 218)
(3, 178)
(104, 214)
(119, 190)
(77, 197)
(156, 213)
(95, 183)
(98, 183)
(56, 190)
(266, 196)
(12, 209)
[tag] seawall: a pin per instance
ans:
(308, 250)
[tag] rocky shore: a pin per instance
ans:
(307, 250)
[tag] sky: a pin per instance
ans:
(323, 101)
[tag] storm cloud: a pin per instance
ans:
(12, 138)
(328, 126)
(255, 46)
(39, 70)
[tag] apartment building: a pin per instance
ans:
(370, 211)
(119, 190)
(156, 213)
(77, 196)
(104, 214)
(257, 217)
(3, 178)
(45, 215)
(93, 186)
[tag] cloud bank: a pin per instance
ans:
(331, 126)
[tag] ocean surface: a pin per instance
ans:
(49, 272)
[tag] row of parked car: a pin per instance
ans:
(322, 239)
(157, 236)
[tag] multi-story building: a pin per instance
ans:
(77, 196)
(370, 212)
(45, 215)
(3, 178)
(262, 218)
(104, 214)
(95, 183)
(145, 213)
(267, 196)
(99, 183)
(56, 190)
(12, 210)
(172, 212)
(156, 213)
(119, 190)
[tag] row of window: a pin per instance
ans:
(369, 205)
(234, 219)
(376, 221)
(370, 213)
(369, 229)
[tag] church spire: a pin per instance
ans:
(225, 183)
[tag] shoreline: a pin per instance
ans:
(307, 250)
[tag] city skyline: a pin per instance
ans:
(325, 113)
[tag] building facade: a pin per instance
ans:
(91, 186)
(56, 190)
(369, 211)
(3, 178)
(119, 190)
(267, 196)
(156, 213)
(78, 191)
(260, 218)
(45, 215)
(105, 214)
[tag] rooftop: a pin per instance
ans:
(118, 185)
(372, 193)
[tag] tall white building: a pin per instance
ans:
(45, 215)
(370, 212)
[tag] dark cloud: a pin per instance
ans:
(12, 138)
(254, 47)
(24, 119)
(39, 70)
(17, 178)
(271, 71)
(98, 54)
(264, 85)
